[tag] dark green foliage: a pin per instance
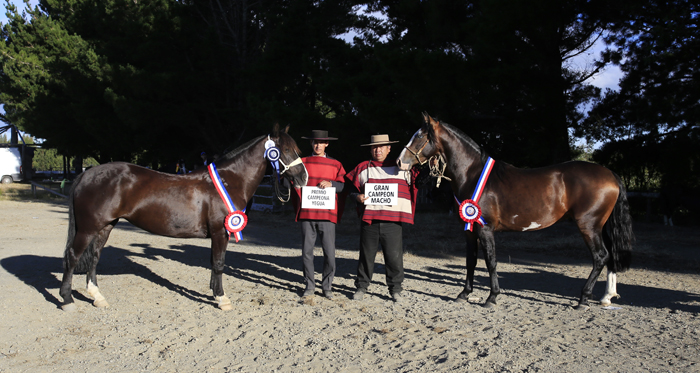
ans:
(653, 119)
(155, 81)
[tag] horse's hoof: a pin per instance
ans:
(489, 305)
(607, 299)
(69, 307)
(226, 307)
(582, 307)
(100, 303)
(462, 297)
(224, 303)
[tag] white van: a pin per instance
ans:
(10, 165)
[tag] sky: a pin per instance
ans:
(18, 3)
(609, 77)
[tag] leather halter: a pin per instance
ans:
(416, 154)
(295, 162)
(281, 195)
(437, 168)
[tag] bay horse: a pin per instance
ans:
(515, 199)
(182, 206)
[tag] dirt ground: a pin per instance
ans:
(162, 316)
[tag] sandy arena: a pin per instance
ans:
(162, 316)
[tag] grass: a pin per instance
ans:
(23, 192)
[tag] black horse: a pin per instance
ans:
(184, 206)
(516, 199)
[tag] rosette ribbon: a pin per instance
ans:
(272, 154)
(469, 209)
(235, 220)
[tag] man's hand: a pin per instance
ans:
(324, 184)
(361, 198)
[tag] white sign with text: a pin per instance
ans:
(317, 198)
(381, 194)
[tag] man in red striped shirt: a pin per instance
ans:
(388, 202)
(324, 172)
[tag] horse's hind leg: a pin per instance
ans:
(81, 242)
(66, 289)
(594, 240)
(91, 278)
(610, 289)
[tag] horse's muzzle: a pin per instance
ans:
(403, 166)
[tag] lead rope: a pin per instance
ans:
(280, 194)
(438, 168)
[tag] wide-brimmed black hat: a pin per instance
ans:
(319, 135)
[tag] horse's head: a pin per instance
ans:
(291, 166)
(423, 145)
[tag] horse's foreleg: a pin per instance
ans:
(218, 259)
(600, 257)
(488, 245)
(472, 255)
(610, 289)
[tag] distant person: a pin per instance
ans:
(205, 160)
(324, 172)
(382, 224)
(180, 168)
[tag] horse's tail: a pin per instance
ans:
(86, 258)
(617, 233)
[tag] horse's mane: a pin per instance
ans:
(241, 149)
(466, 139)
(499, 167)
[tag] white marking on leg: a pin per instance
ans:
(533, 225)
(94, 292)
(224, 302)
(610, 289)
(512, 220)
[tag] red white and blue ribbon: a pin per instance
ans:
(236, 220)
(469, 209)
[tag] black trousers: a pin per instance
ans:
(310, 229)
(390, 236)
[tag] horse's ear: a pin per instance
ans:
(430, 125)
(286, 129)
(434, 124)
(430, 120)
(276, 130)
